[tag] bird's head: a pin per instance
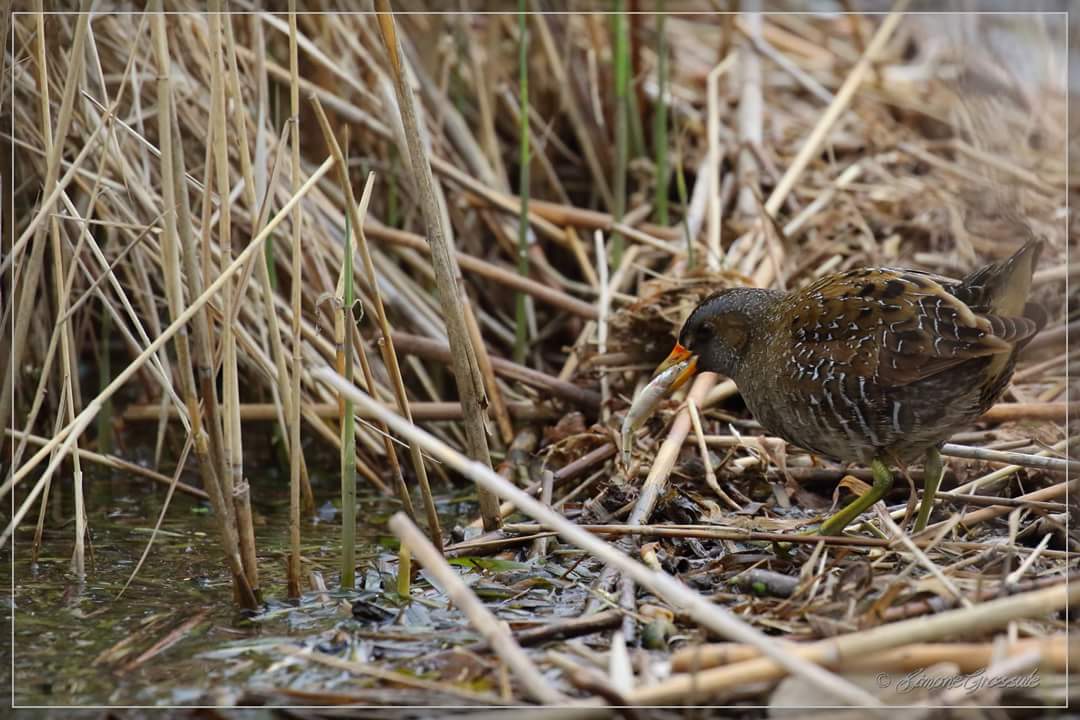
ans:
(715, 335)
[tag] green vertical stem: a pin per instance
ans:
(521, 327)
(660, 117)
(622, 82)
(348, 431)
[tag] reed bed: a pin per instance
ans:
(502, 220)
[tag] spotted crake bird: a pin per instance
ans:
(877, 366)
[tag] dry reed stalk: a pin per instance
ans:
(469, 385)
(495, 632)
(855, 646)
(31, 270)
(64, 438)
(1013, 458)
(283, 384)
(602, 322)
(489, 271)
(664, 461)
(111, 461)
(205, 358)
(178, 241)
(170, 189)
(421, 411)
(586, 219)
(990, 479)
(251, 196)
(31, 230)
(750, 119)
(968, 657)
(713, 532)
(233, 449)
(765, 273)
(977, 517)
(1012, 412)
(386, 341)
(568, 102)
(78, 560)
(706, 613)
(296, 280)
(459, 133)
(710, 473)
(714, 158)
(434, 350)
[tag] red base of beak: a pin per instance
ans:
(678, 355)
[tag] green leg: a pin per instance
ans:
(932, 472)
(883, 480)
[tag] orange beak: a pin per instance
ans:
(678, 355)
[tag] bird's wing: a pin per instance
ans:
(896, 326)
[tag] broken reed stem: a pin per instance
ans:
(466, 373)
(622, 142)
(389, 353)
(521, 334)
(495, 632)
(296, 280)
(711, 616)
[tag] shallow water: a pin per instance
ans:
(78, 644)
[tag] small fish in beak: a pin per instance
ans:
(671, 374)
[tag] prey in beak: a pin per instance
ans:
(679, 357)
(670, 375)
